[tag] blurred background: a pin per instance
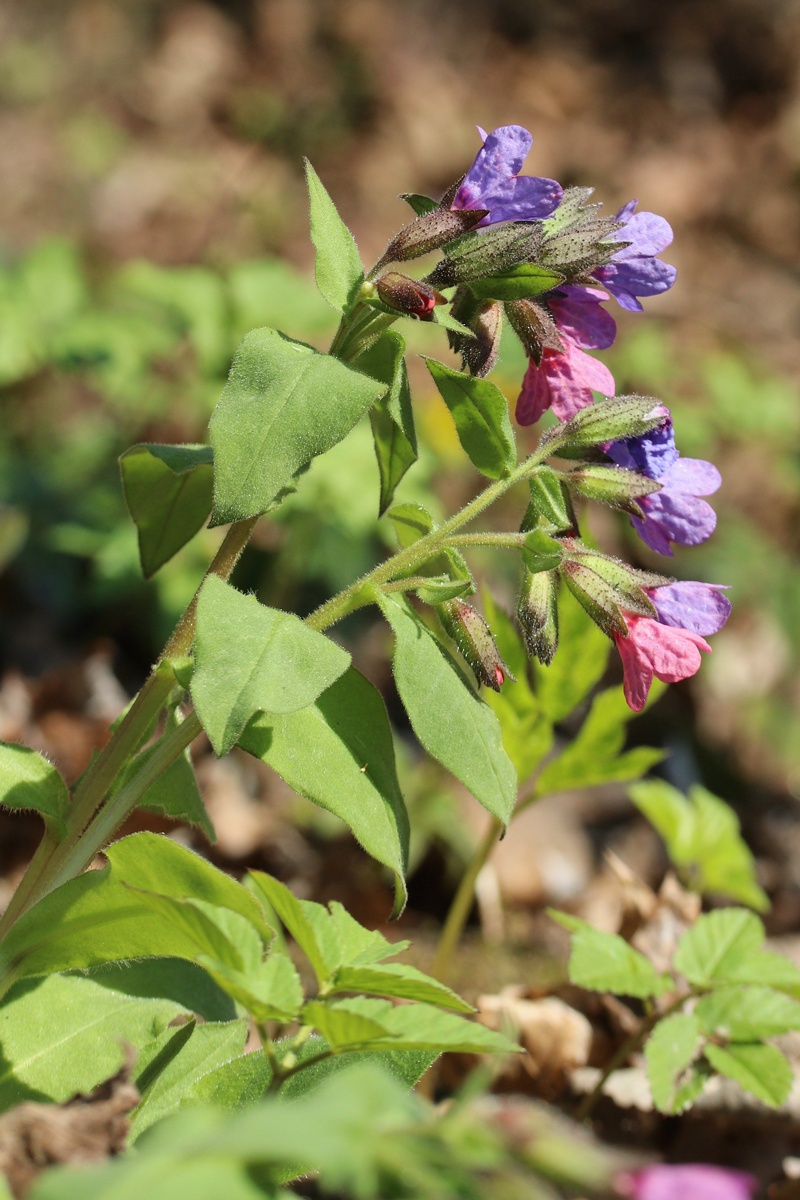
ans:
(153, 210)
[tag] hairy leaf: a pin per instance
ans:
(480, 413)
(338, 269)
(169, 493)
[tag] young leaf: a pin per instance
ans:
(669, 1052)
(540, 552)
(480, 413)
(411, 522)
(251, 658)
(164, 1076)
(391, 416)
(270, 991)
(175, 793)
(453, 724)
(760, 1069)
(97, 919)
(211, 930)
(594, 757)
(717, 945)
(29, 781)
(338, 269)
(604, 962)
(580, 662)
(284, 404)
(339, 753)
(747, 1014)
(398, 981)
(64, 1034)
(169, 493)
(410, 1026)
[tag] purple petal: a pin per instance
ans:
(580, 316)
(647, 233)
(689, 1181)
(637, 277)
(493, 180)
(677, 516)
(650, 453)
(627, 211)
(693, 475)
(534, 198)
(700, 607)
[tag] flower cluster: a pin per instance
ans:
(581, 260)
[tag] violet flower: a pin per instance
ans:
(493, 181)
(635, 270)
(688, 1181)
(700, 607)
(565, 379)
(675, 513)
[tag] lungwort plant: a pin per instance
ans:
(162, 950)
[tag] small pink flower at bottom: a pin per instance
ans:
(564, 381)
(652, 649)
(688, 1181)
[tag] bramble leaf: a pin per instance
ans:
(760, 1069)
(604, 962)
(717, 945)
(747, 1014)
(669, 1052)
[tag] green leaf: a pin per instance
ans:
(669, 1053)
(251, 658)
(391, 416)
(97, 919)
(64, 1034)
(174, 979)
(453, 724)
(339, 753)
(169, 493)
(409, 1026)
(411, 522)
(210, 929)
(768, 968)
(550, 507)
(338, 269)
(604, 962)
(284, 404)
(717, 945)
(29, 781)
(580, 662)
(420, 204)
(747, 1014)
(399, 981)
(593, 756)
(244, 1081)
(163, 1077)
(540, 552)
(175, 793)
(270, 991)
(520, 282)
(480, 413)
(760, 1069)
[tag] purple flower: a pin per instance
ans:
(493, 181)
(565, 379)
(699, 607)
(675, 513)
(689, 1181)
(634, 270)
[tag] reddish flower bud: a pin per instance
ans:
(474, 639)
(408, 295)
(429, 232)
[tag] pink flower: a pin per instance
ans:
(651, 649)
(688, 1181)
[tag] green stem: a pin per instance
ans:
(487, 539)
(463, 901)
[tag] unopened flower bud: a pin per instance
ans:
(485, 252)
(601, 600)
(537, 613)
(615, 486)
(607, 421)
(407, 295)
(628, 582)
(474, 639)
(429, 232)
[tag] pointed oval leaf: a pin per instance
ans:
(760, 1069)
(399, 981)
(391, 417)
(337, 269)
(453, 724)
(480, 413)
(29, 781)
(251, 658)
(339, 753)
(669, 1052)
(169, 493)
(284, 404)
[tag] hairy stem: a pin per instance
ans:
(462, 902)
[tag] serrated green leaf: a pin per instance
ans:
(718, 944)
(391, 416)
(593, 756)
(65, 1033)
(409, 1026)
(399, 981)
(339, 753)
(669, 1052)
(29, 781)
(747, 1014)
(579, 664)
(337, 268)
(169, 494)
(163, 1078)
(97, 919)
(211, 929)
(251, 658)
(480, 414)
(605, 962)
(760, 1069)
(768, 968)
(453, 724)
(359, 946)
(284, 404)
(270, 991)
(307, 922)
(342, 1027)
